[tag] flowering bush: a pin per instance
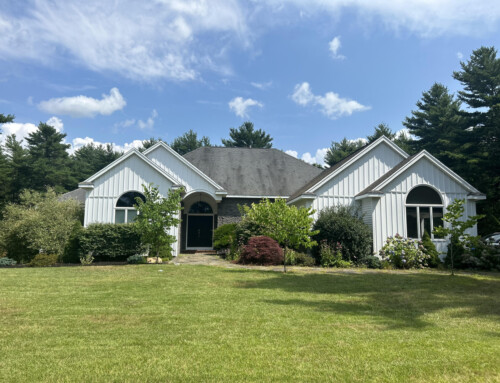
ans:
(404, 253)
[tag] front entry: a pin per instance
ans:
(199, 231)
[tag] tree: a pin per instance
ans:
(188, 142)
(339, 150)
(288, 225)
(91, 158)
(6, 118)
(457, 226)
(156, 216)
(4, 165)
(381, 130)
(439, 127)
(18, 164)
(246, 137)
(146, 144)
(480, 77)
(49, 159)
(40, 222)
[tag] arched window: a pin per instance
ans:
(200, 207)
(125, 211)
(424, 211)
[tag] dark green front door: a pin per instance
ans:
(199, 232)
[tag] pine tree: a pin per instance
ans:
(246, 137)
(339, 150)
(18, 164)
(91, 158)
(381, 130)
(188, 142)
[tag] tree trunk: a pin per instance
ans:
(284, 260)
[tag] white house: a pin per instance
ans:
(397, 193)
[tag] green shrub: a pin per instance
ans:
(295, 258)
(475, 254)
(404, 253)
(430, 250)
(136, 259)
(4, 261)
(372, 262)
(111, 241)
(72, 250)
(331, 256)
(165, 253)
(86, 259)
(343, 224)
(225, 236)
(262, 250)
(44, 260)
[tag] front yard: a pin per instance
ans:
(201, 323)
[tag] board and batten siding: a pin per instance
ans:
(183, 174)
(128, 175)
(342, 188)
(389, 214)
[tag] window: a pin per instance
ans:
(424, 212)
(200, 208)
(125, 211)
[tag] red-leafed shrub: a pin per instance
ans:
(262, 250)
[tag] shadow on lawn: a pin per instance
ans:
(398, 299)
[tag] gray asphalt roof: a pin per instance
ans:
(245, 171)
(77, 195)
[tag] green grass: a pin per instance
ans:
(200, 323)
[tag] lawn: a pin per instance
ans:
(201, 323)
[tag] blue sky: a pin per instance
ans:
(307, 72)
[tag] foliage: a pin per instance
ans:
(5, 261)
(381, 130)
(456, 227)
(343, 224)
(136, 259)
(146, 144)
(6, 118)
(72, 249)
(40, 222)
(372, 262)
(91, 158)
(225, 236)
(87, 259)
(331, 256)
(262, 250)
(156, 216)
(339, 150)
(106, 241)
(246, 137)
(296, 258)
(188, 142)
(430, 250)
(478, 255)
(404, 253)
(44, 260)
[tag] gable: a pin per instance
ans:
(184, 173)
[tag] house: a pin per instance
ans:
(396, 192)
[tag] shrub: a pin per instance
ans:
(430, 250)
(295, 258)
(224, 237)
(86, 259)
(475, 254)
(331, 256)
(136, 259)
(342, 224)
(165, 253)
(39, 222)
(262, 250)
(111, 241)
(72, 250)
(404, 253)
(4, 261)
(44, 260)
(372, 262)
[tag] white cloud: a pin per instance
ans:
(163, 39)
(318, 158)
(261, 85)
(56, 123)
(334, 46)
(83, 106)
(149, 123)
(240, 106)
(331, 104)
(360, 139)
(292, 153)
(78, 142)
(22, 130)
(460, 55)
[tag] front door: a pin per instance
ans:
(199, 231)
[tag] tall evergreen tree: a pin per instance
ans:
(91, 158)
(188, 142)
(480, 77)
(246, 137)
(6, 118)
(4, 166)
(19, 170)
(146, 144)
(381, 130)
(49, 159)
(339, 150)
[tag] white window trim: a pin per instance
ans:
(126, 209)
(431, 218)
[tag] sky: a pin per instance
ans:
(306, 72)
